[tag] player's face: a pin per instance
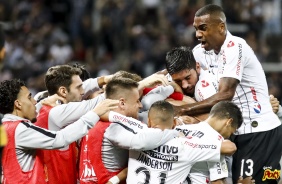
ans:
(132, 104)
(76, 91)
(26, 104)
(187, 80)
(208, 32)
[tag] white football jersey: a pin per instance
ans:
(206, 86)
(171, 162)
(237, 60)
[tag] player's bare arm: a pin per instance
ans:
(226, 91)
(228, 148)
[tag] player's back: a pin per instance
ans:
(171, 162)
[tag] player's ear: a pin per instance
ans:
(62, 91)
(229, 122)
(198, 67)
(17, 104)
(121, 103)
(174, 123)
(149, 122)
(222, 28)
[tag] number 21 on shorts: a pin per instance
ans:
(247, 167)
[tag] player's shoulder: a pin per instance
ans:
(234, 42)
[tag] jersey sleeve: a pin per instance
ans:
(156, 94)
(129, 133)
(218, 170)
(90, 86)
(65, 114)
(29, 136)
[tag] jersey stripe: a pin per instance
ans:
(126, 127)
(43, 131)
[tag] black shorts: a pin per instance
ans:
(258, 155)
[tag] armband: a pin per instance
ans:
(114, 180)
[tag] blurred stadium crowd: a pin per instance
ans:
(132, 35)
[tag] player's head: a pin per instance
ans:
(65, 81)
(2, 43)
(84, 73)
(16, 99)
(126, 91)
(225, 117)
(125, 74)
(161, 115)
(183, 68)
(210, 26)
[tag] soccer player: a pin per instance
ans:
(171, 162)
(106, 153)
(241, 79)
(65, 81)
(22, 163)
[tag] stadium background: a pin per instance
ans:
(132, 35)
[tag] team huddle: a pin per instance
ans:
(206, 118)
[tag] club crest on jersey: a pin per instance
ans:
(204, 83)
(230, 44)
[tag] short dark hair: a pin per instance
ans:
(60, 75)
(180, 58)
(84, 73)
(209, 9)
(164, 109)
(9, 90)
(216, 12)
(118, 86)
(227, 109)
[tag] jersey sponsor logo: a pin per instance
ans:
(200, 95)
(238, 66)
(158, 155)
(256, 105)
(88, 173)
(154, 163)
(220, 137)
(208, 52)
(230, 44)
(193, 133)
(204, 83)
(200, 146)
(270, 174)
(122, 119)
(221, 70)
(218, 168)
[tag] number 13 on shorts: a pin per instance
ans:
(247, 167)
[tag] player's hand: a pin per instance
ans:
(176, 87)
(103, 108)
(153, 80)
(274, 103)
(164, 72)
(53, 100)
(107, 78)
(188, 119)
(227, 148)
(247, 180)
(109, 182)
